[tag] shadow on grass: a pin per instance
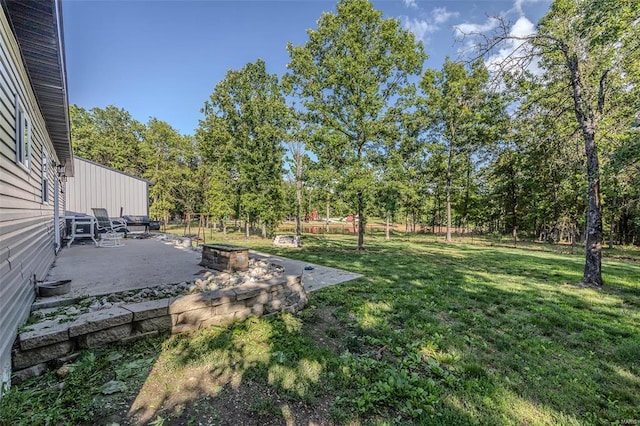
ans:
(262, 365)
(516, 341)
(433, 334)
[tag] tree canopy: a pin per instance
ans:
(349, 75)
(241, 138)
(543, 144)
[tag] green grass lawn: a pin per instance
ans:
(432, 334)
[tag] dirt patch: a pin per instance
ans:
(225, 391)
(444, 318)
(324, 328)
(201, 397)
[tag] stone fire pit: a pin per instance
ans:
(225, 257)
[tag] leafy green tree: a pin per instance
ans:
(108, 136)
(323, 177)
(154, 151)
(297, 161)
(219, 195)
(241, 138)
(622, 186)
(390, 186)
(464, 115)
(588, 51)
(348, 75)
(167, 156)
(190, 193)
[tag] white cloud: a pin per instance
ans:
(468, 28)
(522, 28)
(511, 55)
(513, 49)
(427, 24)
(410, 3)
(441, 15)
(419, 27)
(517, 5)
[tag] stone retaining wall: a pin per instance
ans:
(53, 343)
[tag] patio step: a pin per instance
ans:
(55, 302)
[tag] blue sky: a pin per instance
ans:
(162, 58)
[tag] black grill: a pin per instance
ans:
(141, 221)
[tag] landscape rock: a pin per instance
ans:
(195, 316)
(63, 371)
(34, 371)
(287, 241)
(158, 323)
(67, 359)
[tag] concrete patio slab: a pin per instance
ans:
(142, 263)
(312, 279)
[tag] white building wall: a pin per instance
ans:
(95, 185)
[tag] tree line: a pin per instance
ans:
(543, 143)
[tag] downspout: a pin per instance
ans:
(56, 214)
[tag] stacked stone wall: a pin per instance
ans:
(51, 344)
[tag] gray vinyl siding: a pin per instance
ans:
(61, 209)
(26, 224)
(95, 185)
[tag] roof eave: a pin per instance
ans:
(37, 25)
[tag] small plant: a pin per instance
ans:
(333, 332)
(265, 408)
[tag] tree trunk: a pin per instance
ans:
(555, 231)
(448, 238)
(623, 228)
(434, 214)
(360, 220)
(467, 196)
(246, 227)
(298, 221)
(326, 225)
(386, 228)
(448, 191)
(612, 228)
(298, 206)
(593, 262)
(587, 120)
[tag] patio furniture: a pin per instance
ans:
(137, 223)
(80, 227)
(111, 230)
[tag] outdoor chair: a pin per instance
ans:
(112, 230)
